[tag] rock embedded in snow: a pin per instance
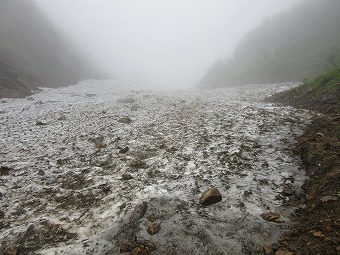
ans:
(125, 120)
(134, 108)
(272, 217)
(62, 118)
(139, 211)
(126, 246)
(152, 230)
(124, 150)
(210, 196)
(39, 123)
(140, 164)
(126, 100)
(4, 170)
(288, 190)
(126, 177)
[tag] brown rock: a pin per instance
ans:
(283, 252)
(11, 252)
(139, 251)
(153, 229)
(272, 217)
(126, 246)
(138, 212)
(288, 190)
(328, 198)
(210, 196)
(267, 249)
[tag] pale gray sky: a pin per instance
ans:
(162, 43)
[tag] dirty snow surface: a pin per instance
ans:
(88, 168)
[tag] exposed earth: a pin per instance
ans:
(317, 221)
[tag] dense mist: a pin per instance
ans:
(302, 42)
(156, 42)
(32, 52)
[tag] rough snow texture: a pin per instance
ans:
(65, 175)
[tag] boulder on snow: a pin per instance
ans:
(210, 196)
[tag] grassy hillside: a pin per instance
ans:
(320, 94)
(291, 46)
(32, 53)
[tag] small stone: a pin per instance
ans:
(210, 196)
(288, 190)
(317, 234)
(257, 145)
(292, 246)
(122, 206)
(90, 95)
(101, 145)
(319, 135)
(267, 249)
(4, 170)
(272, 217)
(328, 198)
(153, 229)
(62, 118)
(39, 123)
(126, 177)
(125, 120)
(124, 150)
(98, 141)
(11, 252)
(139, 251)
(126, 246)
(126, 100)
(139, 212)
(41, 172)
(134, 108)
(139, 164)
(283, 252)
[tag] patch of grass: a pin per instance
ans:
(325, 81)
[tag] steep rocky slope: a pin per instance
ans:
(32, 53)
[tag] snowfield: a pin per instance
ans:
(76, 161)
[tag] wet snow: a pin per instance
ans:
(189, 140)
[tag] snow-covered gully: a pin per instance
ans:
(76, 161)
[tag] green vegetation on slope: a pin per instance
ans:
(321, 94)
(32, 53)
(288, 47)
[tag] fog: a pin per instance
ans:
(159, 43)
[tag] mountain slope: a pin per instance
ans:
(32, 53)
(291, 46)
